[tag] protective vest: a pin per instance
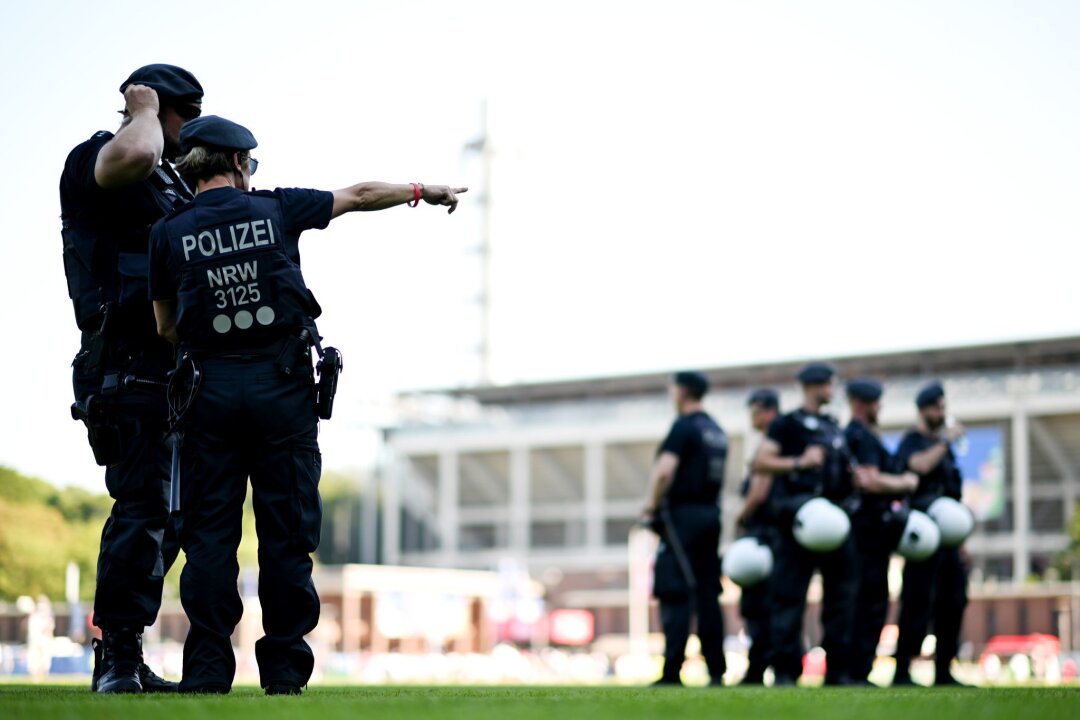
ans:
(833, 479)
(109, 264)
(238, 289)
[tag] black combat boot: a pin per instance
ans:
(120, 654)
(151, 682)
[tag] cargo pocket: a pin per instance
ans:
(307, 504)
(134, 270)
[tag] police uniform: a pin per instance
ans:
(230, 261)
(687, 570)
(934, 590)
(875, 534)
(105, 234)
(755, 600)
(794, 565)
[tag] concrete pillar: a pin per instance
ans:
(391, 497)
(1021, 494)
(594, 495)
(449, 481)
(519, 516)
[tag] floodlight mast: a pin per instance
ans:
(482, 147)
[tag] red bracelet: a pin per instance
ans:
(416, 189)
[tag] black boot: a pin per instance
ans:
(120, 653)
(153, 683)
(96, 645)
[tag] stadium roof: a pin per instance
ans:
(1015, 355)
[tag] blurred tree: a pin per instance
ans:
(1067, 561)
(42, 528)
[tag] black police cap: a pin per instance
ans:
(170, 82)
(216, 132)
(929, 395)
(693, 381)
(765, 397)
(816, 373)
(864, 389)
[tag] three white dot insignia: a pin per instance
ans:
(243, 319)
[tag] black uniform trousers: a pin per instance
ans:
(754, 604)
(873, 550)
(138, 541)
(249, 420)
(697, 528)
(936, 586)
(792, 570)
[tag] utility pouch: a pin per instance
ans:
(293, 350)
(329, 367)
(97, 348)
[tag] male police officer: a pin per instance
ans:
(938, 584)
(805, 452)
(112, 190)
(684, 493)
(874, 522)
(764, 406)
(227, 288)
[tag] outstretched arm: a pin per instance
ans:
(380, 196)
(136, 149)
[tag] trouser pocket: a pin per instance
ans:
(307, 504)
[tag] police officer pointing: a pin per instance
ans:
(683, 506)
(936, 586)
(873, 523)
(112, 190)
(227, 288)
(804, 450)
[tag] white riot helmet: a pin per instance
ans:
(921, 537)
(821, 526)
(954, 520)
(747, 562)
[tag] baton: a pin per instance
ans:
(680, 556)
(174, 475)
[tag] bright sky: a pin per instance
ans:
(676, 184)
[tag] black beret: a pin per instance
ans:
(864, 389)
(765, 397)
(929, 395)
(171, 82)
(217, 132)
(693, 381)
(816, 373)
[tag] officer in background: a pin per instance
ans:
(754, 518)
(683, 506)
(938, 584)
(112, 190)
(876, 523)
(227, 288)
(805, 452)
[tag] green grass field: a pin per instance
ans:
(523, 703)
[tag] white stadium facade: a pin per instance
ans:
(550, 477)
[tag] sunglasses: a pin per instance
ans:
(188, 112)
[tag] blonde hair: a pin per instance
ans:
(203, 163)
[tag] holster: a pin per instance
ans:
(329, 367)
(102, 430)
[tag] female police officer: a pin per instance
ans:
(227, 289)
